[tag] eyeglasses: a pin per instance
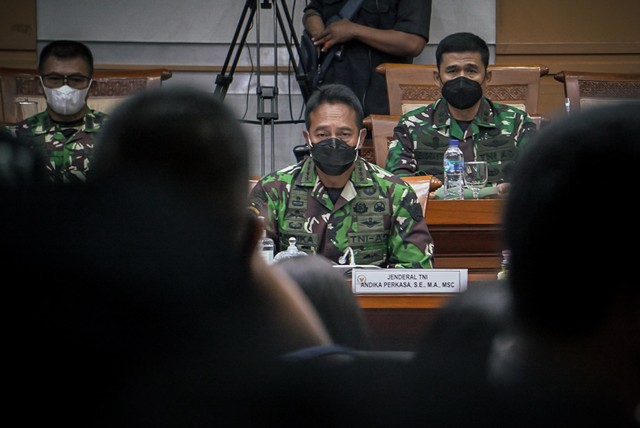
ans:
(55, 80)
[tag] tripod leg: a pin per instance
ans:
(265, 94)
(301, 75)
(223, 80)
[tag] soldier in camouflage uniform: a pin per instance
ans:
(334, 199)
(486, 130)
(66, 131)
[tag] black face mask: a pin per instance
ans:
(462, 92)
(333, 156)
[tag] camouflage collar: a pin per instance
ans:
(484, 118)
(41, 123)
(360, 177)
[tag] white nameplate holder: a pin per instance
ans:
(408, 281)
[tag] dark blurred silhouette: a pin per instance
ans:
(332, 297)
(452, 360)
(19, 165)
(558, 343)
(137, 300)
(574, 357)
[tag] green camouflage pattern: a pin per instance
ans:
(499, 132)
(377, 215)
(68, 160)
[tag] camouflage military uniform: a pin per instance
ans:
(496, 134)
(377, 215)
(68, 150)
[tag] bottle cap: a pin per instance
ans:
(264, 231)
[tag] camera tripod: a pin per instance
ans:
(265, 93)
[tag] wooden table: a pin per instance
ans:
(467, 234)
(397, 321)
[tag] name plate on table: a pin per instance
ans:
(408, 281)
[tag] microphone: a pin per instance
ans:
(343, 259)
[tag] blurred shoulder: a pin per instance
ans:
(386, 179)
(422, 114)
(502, 109)
(279, 181)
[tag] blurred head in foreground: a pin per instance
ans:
(576, 298)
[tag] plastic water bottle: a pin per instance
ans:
(267, 247)
(504, 265)
(453, 171)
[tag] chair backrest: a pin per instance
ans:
(412, 85)
(22, 95)
(586, 89)
(252, 182)
(381, 129)
(422, 185)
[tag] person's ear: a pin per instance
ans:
(363, 135)
(487, 77)
(86, 97)
(307, 137)
(436, 78)
(42, 86)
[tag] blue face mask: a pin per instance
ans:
(333, 156)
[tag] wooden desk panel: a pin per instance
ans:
(397, 321)
(467, 234)
(465, 212)
(398, 329)
(403, 301)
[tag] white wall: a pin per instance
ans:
(199, 33)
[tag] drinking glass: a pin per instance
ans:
(26, 108)
(476, 174)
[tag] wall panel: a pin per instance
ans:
(590, 35)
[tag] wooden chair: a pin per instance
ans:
(252, 182)
(586, 89)
(21, 92)
(381, 129)
(412, 85)
(422, 185)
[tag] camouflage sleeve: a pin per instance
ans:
(267, 199)
(526, 131)
(20, 130)
(26, 128)
(8, 129)
(410, 243)
(401, 159)
(258, 199)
